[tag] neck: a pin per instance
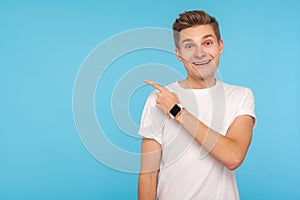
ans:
(190, 83)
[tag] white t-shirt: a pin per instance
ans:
(187, 171)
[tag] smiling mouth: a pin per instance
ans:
(201, 63)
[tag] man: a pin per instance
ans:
(195, 131)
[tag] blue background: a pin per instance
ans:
(43, 44)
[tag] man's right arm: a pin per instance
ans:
(150, 162)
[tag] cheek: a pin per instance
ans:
(187, 55)
(214, 53)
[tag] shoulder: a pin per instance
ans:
(173, 86)
(236, 90)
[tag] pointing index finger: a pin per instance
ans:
(155, 85)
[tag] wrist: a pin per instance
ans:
(179, 116)
(175, 111)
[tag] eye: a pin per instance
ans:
(189, 46)
(208, 43)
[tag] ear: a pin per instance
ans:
(221, 45)
(178, 55)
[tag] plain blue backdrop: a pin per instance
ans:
(44, 43)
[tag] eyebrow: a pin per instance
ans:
(187, 40)
(207, 36)
(204, 37)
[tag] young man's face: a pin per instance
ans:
(199, 50)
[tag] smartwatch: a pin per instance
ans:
(177, 108)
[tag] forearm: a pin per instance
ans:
(147, 186)
(225, 149)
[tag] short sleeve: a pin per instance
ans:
(247, 106)
(153, 120)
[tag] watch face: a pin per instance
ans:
(175, 110)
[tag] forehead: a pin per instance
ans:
(197, 32)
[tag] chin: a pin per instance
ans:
(204, 74)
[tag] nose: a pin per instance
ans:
(199, 52)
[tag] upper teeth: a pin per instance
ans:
(201, 63)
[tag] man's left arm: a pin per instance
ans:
(231, 149)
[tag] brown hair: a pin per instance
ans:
(193, 18)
